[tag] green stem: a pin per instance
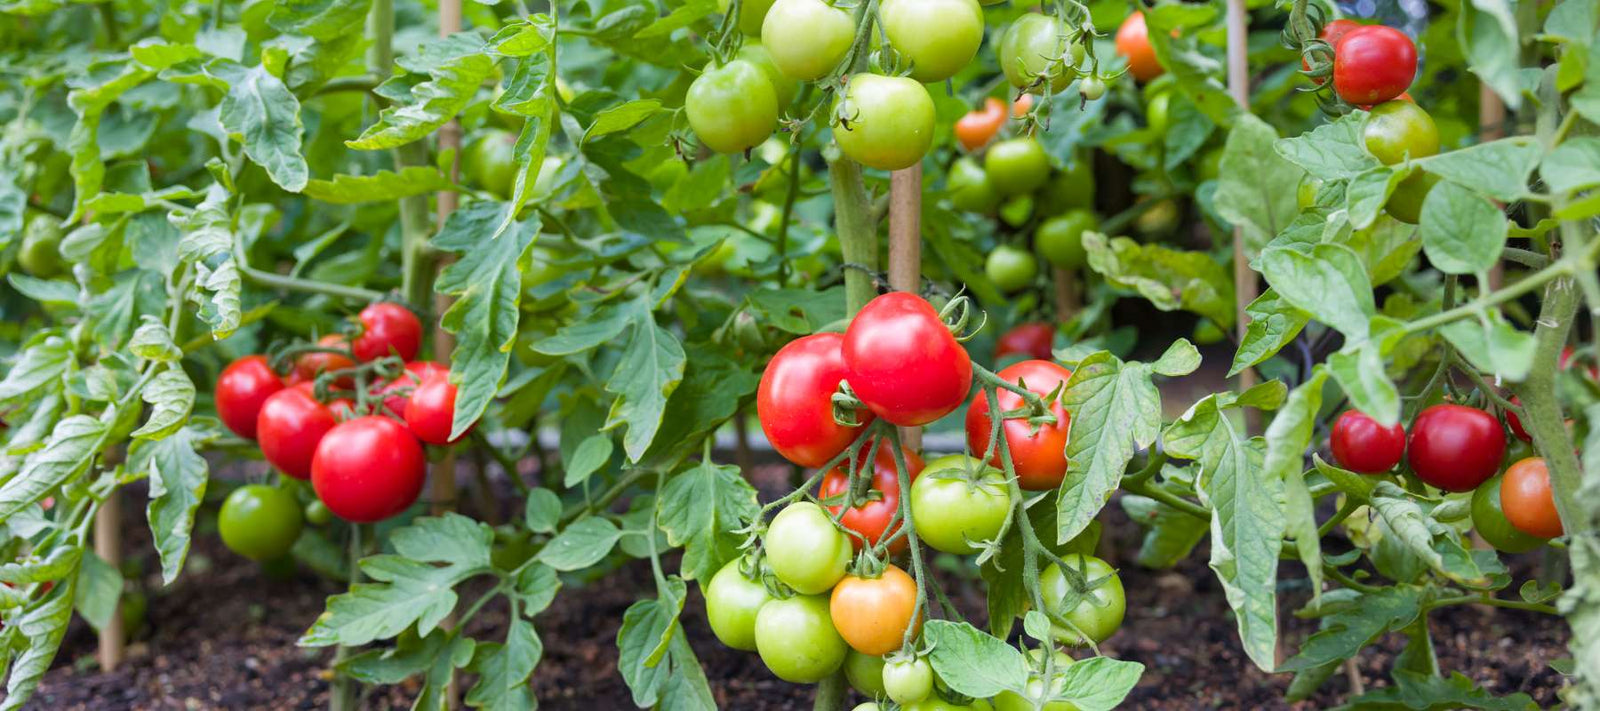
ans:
(343, 696)
(1526, 285)
(1143, 488)
(858, 232)
(1541, 408)
(788, 209)
(1493, 602)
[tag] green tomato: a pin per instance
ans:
(884, 122)
(1210, 167)
(1011, 269)
(732, 601)
(1060, 239)
(40, 253)
(938, 36)
(867, 706)
(260, 522)
(1069, 189)
(1091, 88)
(950, 508)
(751, 14)
(1489, 520)
(317, 513)
(1155, 112)
(1012, 701)
(1397, 129)
(1405, 203)
(1099, 618)
(865, 673)
(805, 549)
(1037, 45)
(1016, 211)
(907, 681)
(796, 639)
(732, 108)
(969, 187)
(934, 703)
(807, 38)
(782, 86)
(1017, 166)
(490, 162)
(1158, 221)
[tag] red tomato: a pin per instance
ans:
(1454, 447)
(368, 469)
(1332, 33)
(387, 329)
(1031, 339)
(871, 519)
(1133, 42)
(432, 410)
(1525, 495)
(1373, 64)
(291, 425)
(1039, 457)
(903, 362)
(397, 392)
(795, 401)
(1565, 363)
(309, 365)
(978, 126)
(241, 389)
(1362, 445)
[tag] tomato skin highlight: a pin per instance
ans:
(794, 401)
(732, 602)
(903, 362)
(432, 410)
(887, 122)
(1030, 48)
(1133, 42)
(1454, 447)
(1030, 339)
(290, 426)
(805, 550)
(940, 37)
(872, 614)
(1039, 458)
(1362, 445)
(1098, 622)
(871, 519)
(732, 108)
(978, 126)
(797, 641)
(368, 469)
(1373, 64)
(260, 522)
(1489, 520)
(387, 329)
(242, 388)
(948, 511)
(1526, 498)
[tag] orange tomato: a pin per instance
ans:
(872, 614)
(1022, 106)
(1525, 496)
(978, 126)
(1133, 42)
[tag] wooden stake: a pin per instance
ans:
(1244, 280)
(107, 545)
(1067, 300)
(442, 487)
(905, 251)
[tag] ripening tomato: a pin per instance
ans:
(1133, 42)
(1373, 64)
(290, 426)
(1010, 268)
(732, 601)
(884, 122)
(260, 522)
(241, 389)
(1362, 445)
(733, 107)
(1454, 447)
(938, 36)
(865, 672)
(806, 551)
(907, 681)
(1035, 46)
(309, 365)
(1021, 105)
(807, 38)
(903, 362)
(1099, 614)
(1017, 166)
(1489, 520)
(1396, 130)
(1037, 454)
(1031, 339)
(1012, 701)
(978, 126)
(794, 401)
(387, 329)
(1526, 498)
(1331, 33)
(870, 519)
(959, 501)
(431, 412)
(797, 640)
(872, 614)
(1060, 239)
(368, 469)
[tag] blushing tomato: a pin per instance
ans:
(938, 36)
(309, 365)
(865, 673)
(732, 108)
(1039, 457)
(978, 126)
(1489, 520)
(884, 122)
(1133, 42)
(1036, 46)
(1454, 447)
(1362, 445)
(1099, 614)
(1060, 239)
(903, 362)
(958, 501)
(1010, 268)
(732, 601)
(1396, 130)
(290, 426)
(1030, 339)
(431, 411)
(794, 401)
(807, 38)
(241, 389)
(806, 551)
(1017, 166)
(797, 641)
(870, 519)
(1021, 105)
(387, 329)
(970, 188)
(260, 522)
(907, 681)
(872, 614)
(1373, 64)
(1526, 498)
(368, 469)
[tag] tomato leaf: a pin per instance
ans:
(1181, 358)
(1171, 534)
(1274, 323)
(38, 367)
(151, 341)
(1171, 279)
(713, 386)
(1288, 438)
(1328, 281)
(1098, 683)
(1360, 373)
(382, 185)
(1345, 632)
(319, 19)
(1332, 151)
(97, 591)
(797, 311)
(972, 662)
(1492, 344)
(451, 70)
(543, 510)
(1487, 33)
(648, 629)
(1115, 410)
(1462, 232)
(650, 370)
(1252, 192)
(42, 627)
(581, 544)
(1498, 169)
(261, 112)
(207, 243)
(503, 670)
(592, 453)
(171, 397)
(700, 509)
(72, 446)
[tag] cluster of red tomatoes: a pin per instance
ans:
(361, 451)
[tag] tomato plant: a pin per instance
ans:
(732, 602)
(806, 551)
(367, 469)
(871, 519)
(1037, 450)
(907, 681)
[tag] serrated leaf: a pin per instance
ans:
(523, 38)
(178, 476)
(451, 538)
(1098, 683)
(42, 628)
(39, 366)
(383, 185)
(1332, 151)
(1115, 411)
(1287, 439)
(651, 367)
(171, 397)
(648, 629)
(797, 311)
(323, 20)
(503, 674)
(1406, 521)
(261, 112)
(1416, 690)
(1252, 193)
(207, 243)
(701, 508)
(1462, 232)
(1498, 169)
(1328, 282)
(621, 118)
(455, 67)
(1343, 633)
(581, 544)
(972, 662)
(406, 593)
(72, 445)
(601, 326)
(1171, 279)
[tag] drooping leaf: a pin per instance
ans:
(178, 476)
(171, 397)
(455, 67)
(380, 186)
(972, 662)
(1253, 193)
(1116, 410)
(1169, 278)
(72, 445)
